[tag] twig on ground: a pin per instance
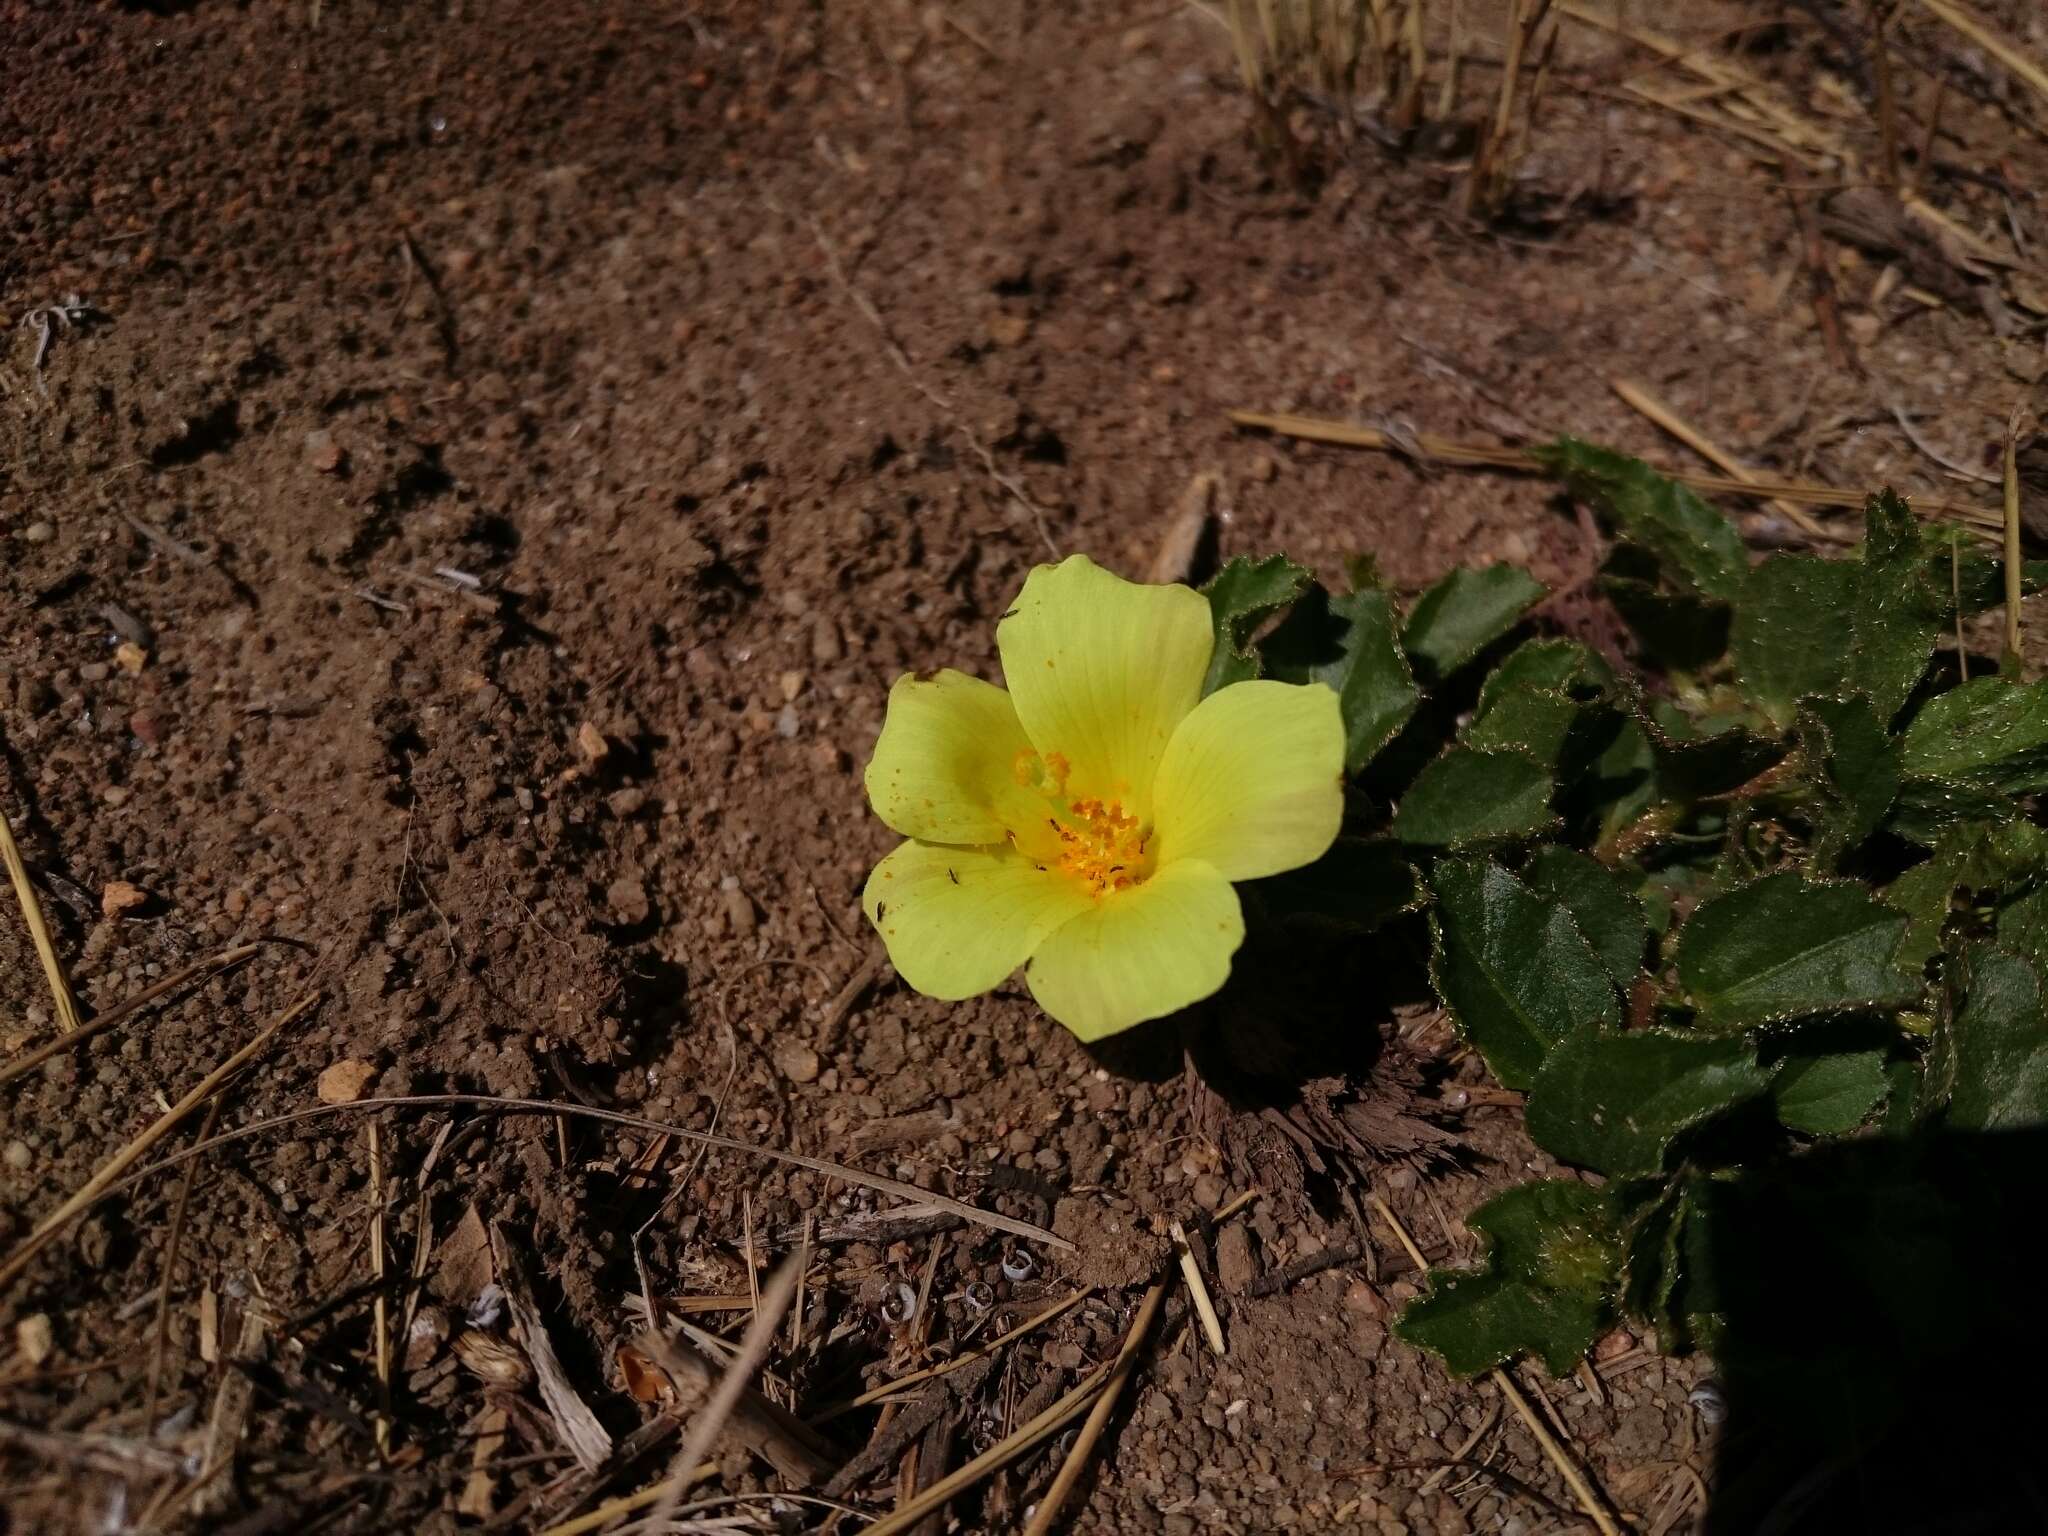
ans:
(586, 1439)
(103, 1181)
(1951, 465)
(2006, 52)
(1582, 1488)
(966, 1357)
(833, 1019)
(491, 1104)
(1515, 460)
(380, 1320)
(1212, 1326)
(1471, 1441)
(1034, 1432)
(738, 1380)
(38, 930)
(121, 1010)
(1056, 1496)
(162, 1338)
(102, 1453)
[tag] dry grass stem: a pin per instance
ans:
(1590, 1501)
(602, 1516)
(121, 1010)
(1212, 1326)
(1637, 399)
(380, 1321)
(1443, 450)
(38, 930)
(128, 1156)
(584, 1437)
(769, 1308)
(965, 1357)
(161, 1341)
(1992, 42)
(1056, 1496)
(491, 1104)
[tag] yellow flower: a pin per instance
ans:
(1091, 819)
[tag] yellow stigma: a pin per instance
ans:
(1102, 847)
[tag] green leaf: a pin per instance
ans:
(1780, 948)
(1680, 631)
(1986, 856)
(1854, 765)
(1348, 642)
(1537, 721)
(1829, 1095)
(1556, 666)
(1986, 733)
(1699, 765)
(1553, 1248)
(1599, 901)
(1355, 887)
(1988, 1068)
(1468, 796)
(1653, 1264)
(1463, 614)
(2023, 926)
(1786, 636)
(1689, 537)
(1242, 596)
(1928, 811)
(1615, 1102)
(1924, 893)
(1512, 967)
(1898, 612)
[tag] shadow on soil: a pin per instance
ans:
(1879, 1308)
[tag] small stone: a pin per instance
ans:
(1009, 330)
(826, 644)
(94, 672)
(323, 453)
(627, 897)
(1236, 1269)
(591, 743)
(34, 1338)
(627, 802)
(39, 533)
(791, 684)
(1020, 1142)
(829, 756)
(1208, 1191)
(121, 896)
(18, 1157)
(1613, 1345)
(799, 1063)
(788, 722)
(737, 906)
(343, 1081)
(146, 728)
(115, 795)
(131, 657)
(1363, 1299)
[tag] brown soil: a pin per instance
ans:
(738, 364)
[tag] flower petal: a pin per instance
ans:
(946, 758)
(959, 920)
(1102, 670)
(1252, 782)
(1141, 953)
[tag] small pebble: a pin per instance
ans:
(799, 1063)
(18, 1156)
(39, 533)
(738, 908)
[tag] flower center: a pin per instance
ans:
(1096, 842)
(1101, 846)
